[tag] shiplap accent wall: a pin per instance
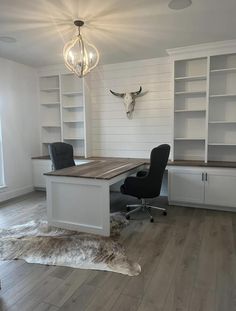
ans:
(113, 134)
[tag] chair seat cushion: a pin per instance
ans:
(137, 187)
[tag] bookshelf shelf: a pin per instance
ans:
(50, 104)
(189, 110)
(189, 138)
(223, 70)
(222, 122)
(191, 93)
(74, 138)
(50, 90)
(191, 78)
(73, 106)
(74, 121)
(222, 144)
(72, 93)
(222, 95)
(51, 125)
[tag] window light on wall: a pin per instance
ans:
(2, 178)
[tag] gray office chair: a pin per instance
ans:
(61, 155)
(147, 184)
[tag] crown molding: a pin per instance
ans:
(203, 50)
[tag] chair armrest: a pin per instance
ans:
(142, 173)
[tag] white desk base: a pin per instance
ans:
(81, 204)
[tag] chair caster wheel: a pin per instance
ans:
(164, 213)
(151, 220)
(127, 217)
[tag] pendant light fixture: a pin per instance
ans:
(80, 56)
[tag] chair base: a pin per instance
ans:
(145, 207)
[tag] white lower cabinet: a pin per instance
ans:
(210, 187)
(39, 168)
(220, 188)
(42, 166)
(185, 185)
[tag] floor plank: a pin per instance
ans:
(181, 287)
(126, 303)
(67, 287)
(225, 264)
(204, 295)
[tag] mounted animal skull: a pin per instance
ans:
(129, 100)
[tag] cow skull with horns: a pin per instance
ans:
(129, 100)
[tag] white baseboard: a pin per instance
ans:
(10, 194)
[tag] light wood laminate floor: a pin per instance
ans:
(187, 258)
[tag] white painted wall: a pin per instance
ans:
(113, 134)
(20, 126)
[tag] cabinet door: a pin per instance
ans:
(39, 168)
(186, 185)
(220, 188)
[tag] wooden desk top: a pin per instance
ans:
(99, 169)
(220, 164)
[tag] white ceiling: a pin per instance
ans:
(122, 30)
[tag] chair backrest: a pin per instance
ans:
(61, 155)
(158, 162)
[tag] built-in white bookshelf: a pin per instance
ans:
(222, 108)
(190, 105)
(50, 110)
(62, 111)
(73, 111)
(205, 108)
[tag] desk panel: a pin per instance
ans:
(79, 204)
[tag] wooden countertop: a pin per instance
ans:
(223, 164)
(99, 169)
(47, 157)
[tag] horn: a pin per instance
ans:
(117, 94)
(138, 92)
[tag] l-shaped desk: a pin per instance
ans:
(78, 197)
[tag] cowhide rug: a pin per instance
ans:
(37, 242)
